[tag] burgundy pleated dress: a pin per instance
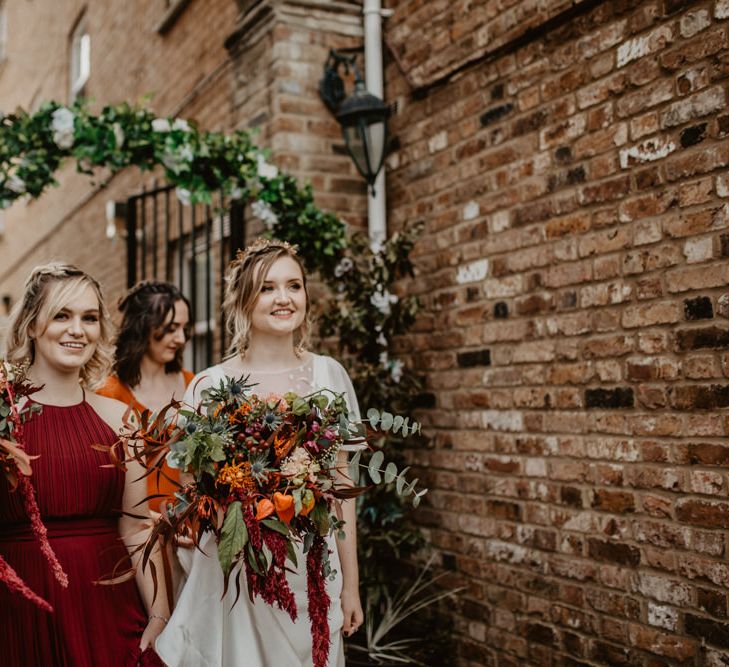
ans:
(79, 501)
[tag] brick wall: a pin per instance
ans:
(573, 180)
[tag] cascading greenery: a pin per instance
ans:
(366, 315)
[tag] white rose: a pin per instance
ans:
(266, 169)
(183, 195)
(344, 266)
(161, 125)
(396, 367)
(181, 124)
(263, 211)
(62, 120)
(63, 138)
(15, 184)
(382, 300)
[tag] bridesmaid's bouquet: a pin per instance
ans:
(266, 477)
(15, 466)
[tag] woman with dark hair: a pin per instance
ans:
(147, 370)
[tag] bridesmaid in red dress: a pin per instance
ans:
(63, 328)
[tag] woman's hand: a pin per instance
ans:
(154, 628)
(352, 610)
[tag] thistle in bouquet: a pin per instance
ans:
(266, 480)
(15, 464)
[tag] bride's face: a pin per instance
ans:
(280, 308)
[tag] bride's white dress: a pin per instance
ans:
(206, 629)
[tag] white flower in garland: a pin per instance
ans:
(179, 160)
(181, 124)
(62, 126)
(161, 125)
(236, 192)
(119, 136)
(266, 169)
(263, 211)
(383, 300)
(345, 265)
(396, 367)
(15, 184)
(183, 194)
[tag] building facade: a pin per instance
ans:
(569, 160)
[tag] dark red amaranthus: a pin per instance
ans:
(39, 530)
(319, 602)
(273, 588)
(11, 579)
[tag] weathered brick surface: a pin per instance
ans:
(587, 163)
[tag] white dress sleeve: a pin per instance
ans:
(203, 380)
(330, 374)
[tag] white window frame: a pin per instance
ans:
(80, 64)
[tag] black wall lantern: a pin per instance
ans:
(363, 116)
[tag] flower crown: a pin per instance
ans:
(262, 244)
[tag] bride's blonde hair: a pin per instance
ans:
(243, 284)
(48, 290)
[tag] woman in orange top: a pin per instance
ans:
(147, 371)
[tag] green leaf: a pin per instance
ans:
(233, 537)
(374, 465)
(354, 465)
(397, 423)
(267, 557)
(386, 421)
(390, 472)
(291, 554)
(373, 415)
(400, 482)
(277, 525)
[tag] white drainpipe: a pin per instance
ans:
(376, 211)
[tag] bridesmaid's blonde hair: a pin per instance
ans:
(48, 290)
(243, 284)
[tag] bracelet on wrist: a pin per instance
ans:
(161, 618)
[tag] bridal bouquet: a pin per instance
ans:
(265, 480)
(15, 466)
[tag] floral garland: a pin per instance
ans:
(198, 163)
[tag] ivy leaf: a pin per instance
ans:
(233, 537)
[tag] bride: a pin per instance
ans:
(267, 308)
